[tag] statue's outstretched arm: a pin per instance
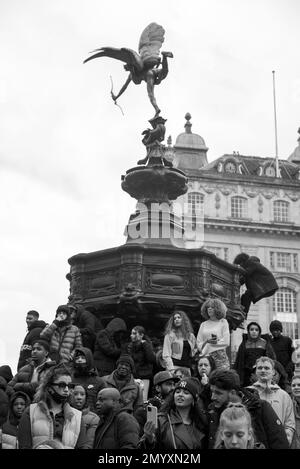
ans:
(124, 87)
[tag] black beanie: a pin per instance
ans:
(126, 359)
(276, 325)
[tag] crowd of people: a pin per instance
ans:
(82, 386)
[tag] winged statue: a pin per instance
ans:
(145, 65)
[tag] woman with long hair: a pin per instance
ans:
(141, 350)
(213, 336)
(51, 416)
(235, 429)
(179, 342)
(181, 421)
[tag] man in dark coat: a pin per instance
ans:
(107, 348)
(260, 282)
(86, 323)
(225, 388)
(117, 429)
(283, 347)
(29, 376)
(85, 373)
(34, 327)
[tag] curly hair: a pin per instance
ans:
(218, 305)
(52, 373)
(186, 327)
(232, 413)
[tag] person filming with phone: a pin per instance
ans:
(180, 422)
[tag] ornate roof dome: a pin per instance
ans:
(189, 140)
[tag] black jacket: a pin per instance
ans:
(266, 425)
(259, 280)
(31, 337)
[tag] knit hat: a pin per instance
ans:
(163, 376)
(191, 385)
(126, 359)
(44, 343)
(253, 323)
(63, 309)
(275, 325)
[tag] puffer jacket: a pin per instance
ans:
(10, 427)
(34, 330)
(119, 430)
(143, 357)
(22, 380)
(88, 378)
(131, 394)
(63, 340)
(36, 425)
(107, 351)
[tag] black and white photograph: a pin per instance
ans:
(150, 227)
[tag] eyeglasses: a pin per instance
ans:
(63, 385)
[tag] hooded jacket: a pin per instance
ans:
(107, 350)
(6, 373)
(259, 280)
(33, 334)
(10, 427)
(244, 362)
(86, 323)
(88, 377)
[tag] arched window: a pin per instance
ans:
(284, 302)
(281, 211)
(239, 207)
(195, 203)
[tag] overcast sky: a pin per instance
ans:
(64, 145)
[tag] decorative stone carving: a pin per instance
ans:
(292, 196)
(217, 199)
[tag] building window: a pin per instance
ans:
(220, 252)
(284, 261)
(238, 207)
(195, 203)
(286, 312)
(281, 211)
(285, 301)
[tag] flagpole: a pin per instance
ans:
(275, 124)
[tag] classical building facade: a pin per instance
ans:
(246, 208)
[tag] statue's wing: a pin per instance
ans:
(128, 56)
(151, 41)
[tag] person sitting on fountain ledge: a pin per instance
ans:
(259, 281)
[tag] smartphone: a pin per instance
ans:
(152, 414)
